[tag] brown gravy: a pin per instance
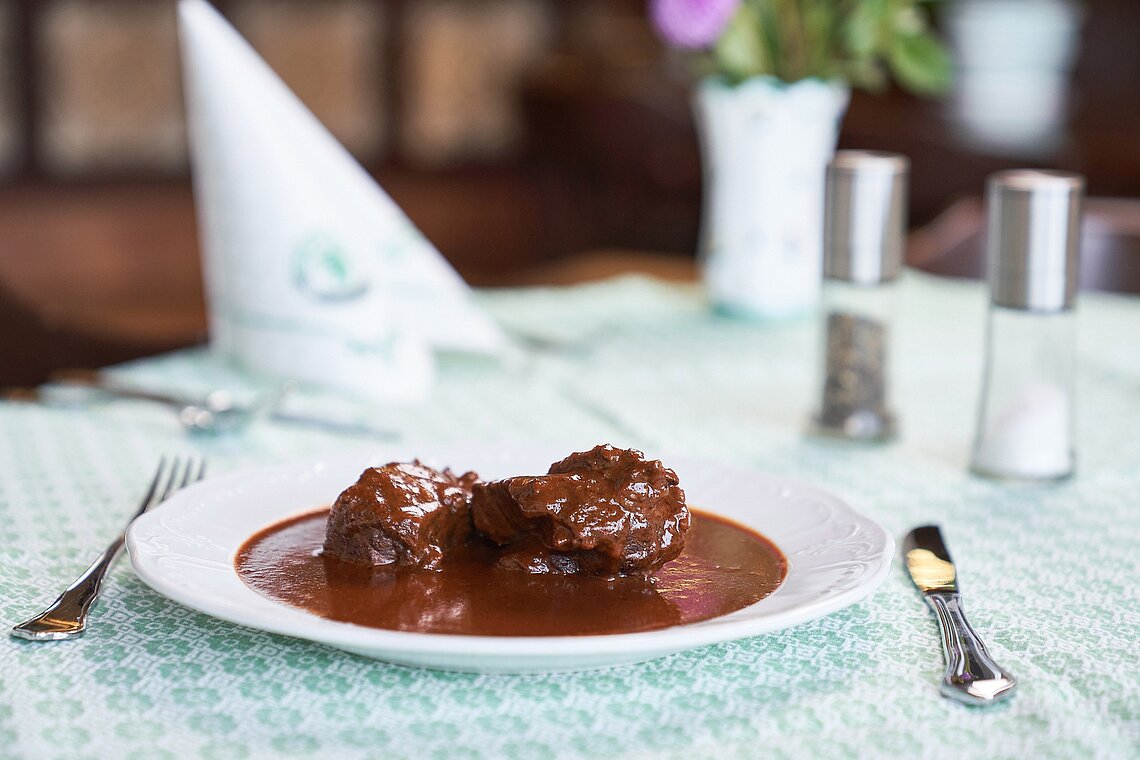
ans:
(724, 567)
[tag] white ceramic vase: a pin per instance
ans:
(765, 147)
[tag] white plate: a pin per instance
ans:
(185, 551)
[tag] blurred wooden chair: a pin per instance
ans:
(93, 276)
(31, 349)
(954, 244)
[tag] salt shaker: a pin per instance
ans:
(864, 239)
(1025, 420)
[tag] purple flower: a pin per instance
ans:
(691, 23)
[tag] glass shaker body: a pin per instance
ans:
(1026, 414)
(855, 369)
(864, 236)
(1025, 418)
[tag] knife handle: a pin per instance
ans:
(972, 676)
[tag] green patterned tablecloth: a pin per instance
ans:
(1049, 572)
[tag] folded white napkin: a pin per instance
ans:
(312, 271)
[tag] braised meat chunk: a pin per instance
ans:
(400, 514)
(606, 511)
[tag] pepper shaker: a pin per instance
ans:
(1025, 419)
(864, 240)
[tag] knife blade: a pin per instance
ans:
(928, 560)
(971, 675)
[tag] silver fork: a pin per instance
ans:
(66, 618)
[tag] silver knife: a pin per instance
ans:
(971, 676)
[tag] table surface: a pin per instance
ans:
(1048, 572)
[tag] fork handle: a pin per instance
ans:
(971, 676)
(66, 617)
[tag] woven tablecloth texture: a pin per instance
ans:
(1049, 572)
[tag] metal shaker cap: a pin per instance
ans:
(1033, 238)
(864, 220)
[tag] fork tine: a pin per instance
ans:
(196, 471)
(169, 488)
(158, 473)
(182, 473)
(188, 475)
(151, 497)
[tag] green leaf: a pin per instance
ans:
(740, 50)
(819, 39)
(861, 33)
(774, 35)
(868, 74)
(920, 64)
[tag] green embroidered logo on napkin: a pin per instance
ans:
(324, 270)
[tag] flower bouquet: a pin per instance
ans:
(775, 77)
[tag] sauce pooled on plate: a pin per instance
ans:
(723, 568)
